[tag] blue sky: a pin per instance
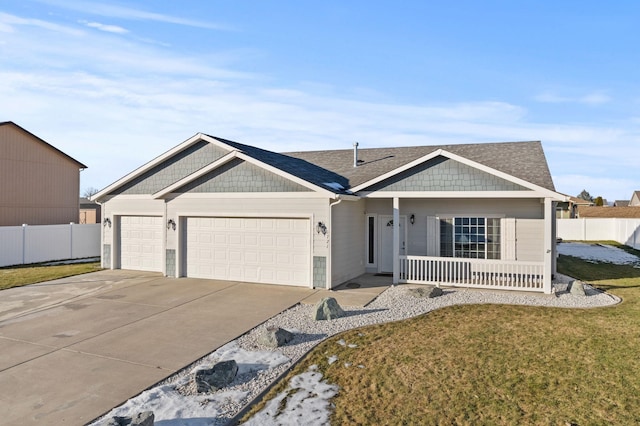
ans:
(116, 83)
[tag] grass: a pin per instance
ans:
(17, 276)
(494, 364)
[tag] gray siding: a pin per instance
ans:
(170, 262)
(106, 255)
(443, 174)
(173, 169)
(319, 272)
(241, 176)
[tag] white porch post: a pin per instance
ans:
(549, 218)
(396, 240)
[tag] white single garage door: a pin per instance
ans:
(260, 250)
(141, 243)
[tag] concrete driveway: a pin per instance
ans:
(72, 349)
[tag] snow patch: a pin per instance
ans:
(598, 253)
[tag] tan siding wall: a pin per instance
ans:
(89, 216)
(39, 186)
(347, 241)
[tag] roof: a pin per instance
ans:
(299, 167)
(609, 212)
(524, 160)
(42, 141)
(86, 203)
(333, 170)
(580, 201)
(621, 203)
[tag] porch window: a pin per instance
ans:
(470, 237)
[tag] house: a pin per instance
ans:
(89, 211)
(569, 209)
(39, 184)
(635, 199)
(478, 215)
(621, 203)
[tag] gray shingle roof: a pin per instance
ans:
(525, 160)
(299, 167)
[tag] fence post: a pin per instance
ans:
(70, 240)
(24, 243)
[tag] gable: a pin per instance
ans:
(241, 176)
(18, 144)
(173, 169)
(444, 174)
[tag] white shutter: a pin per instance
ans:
(433, 236)
(509, 239)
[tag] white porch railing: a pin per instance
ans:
(476, 273)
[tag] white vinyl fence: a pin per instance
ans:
(624, 231)
(42, 243)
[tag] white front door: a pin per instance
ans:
(385, 231)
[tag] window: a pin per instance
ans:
(371, 232)
(470, 237)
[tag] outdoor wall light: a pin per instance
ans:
(171, 224)
(106, 222)
(321, 228)
(412, 219)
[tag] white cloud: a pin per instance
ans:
(8, 21)
(122, 12)
(591, 99)
(104, 27)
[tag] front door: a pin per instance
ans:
(386, 241)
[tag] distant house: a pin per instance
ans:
(39, 184)
(478, 215)
(89, 211)
(635, 199)
(621, 203)
(569, 209)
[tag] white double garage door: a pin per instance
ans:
(260, 250)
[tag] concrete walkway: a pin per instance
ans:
(72, 349)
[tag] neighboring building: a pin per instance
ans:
(89, 211)
(569, 209)
(39, 184)
(635, 199)
(611, 212)
(479, 215)
(621, 203)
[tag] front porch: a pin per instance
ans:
(499, 243)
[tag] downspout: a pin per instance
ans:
(330, 247)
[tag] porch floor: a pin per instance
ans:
(359, 291)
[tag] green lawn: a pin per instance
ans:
(16, 276)
(495, 364)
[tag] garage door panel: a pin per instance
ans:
(141, 243)
(265, 250)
